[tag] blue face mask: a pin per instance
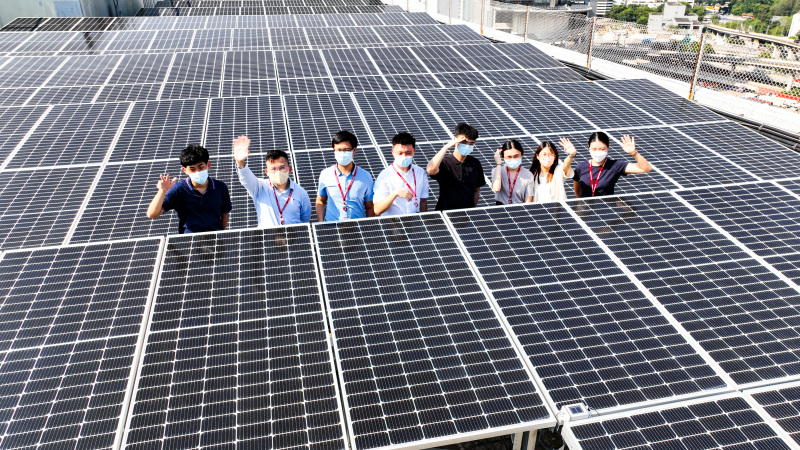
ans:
(513, 163)
(199, 177)
(465, 149)
(344, 158)
(403, 161)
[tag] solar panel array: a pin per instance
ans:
(405, 332)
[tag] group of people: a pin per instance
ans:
(347, 191)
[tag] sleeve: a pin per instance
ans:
(577, 175)
(171, 198)
(531, 190)
(481, 178)
(570, 173)
(227, 206)
(305, 208)
(381, 188)
(248, 180)
(368, 194)
(322, 190)
(443, 172)
(423, 192)
(495, 173)
(623, 166)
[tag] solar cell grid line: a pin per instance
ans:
(306, 86)
(200, 66)
(464, 35)
(528, 57)
(472, 106)
(726, 421)
(313, 119)
(15, 97)
(220, 22)
(510, 77)
(130, 42)
(42, 43)
(24, 24)
(551, 116)
(420, 18)
(34, 214)
(739, 150)
(589, 333)
(311, 21)
(635, 90)
(93, 24)
(59, 24)
(10, 41)
(397, 61)
(243, 333)
(324, 38)
(84, 71)
(288, 39)
(361, 37)
(388, 113)
(204, 89)
(281, 21)
(215, 39)
(338, 20)
(677, 110)
(88, 43)
(15, 124)
(128, 93)
(779, 404)
(251, 39)
(140, 69)
(247, 88)
(463, 79)
(252, 21)
(70, 134)
(363, 83)
(736, 307)
(259, 118)
(429, 34)
(394, 341)
(441, 59)
(606, 113)
(410, 82)
(29, 72)
(628, 184)
(396, 36)
(63, 95)
(366, 20)
(160, 129)
(171, 41)
(300, 64)
(556, 75)
(349, 62)
(249, 65)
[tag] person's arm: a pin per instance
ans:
(319, 205)
(433, 164)
(423, 205)
(497, 178)
(305, 208)
(571, 152)
(641, 166)
(477, 195)
(528, 199)
(383, 204)
(577, 188)
(225, 218)
(241, 151)
(156, 205)
(369, 208)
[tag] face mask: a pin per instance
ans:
(403, 161)
(278, 178)
(344, 158)
(598, 156)
(465, 149)
(546, 162)
(513, 163)
(199, 177)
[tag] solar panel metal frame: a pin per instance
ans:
(459, 437)
(749, 396)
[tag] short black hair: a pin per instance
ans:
(468, 131)
(272, 155)
(344, 136)
(404, 138)
(193, 154)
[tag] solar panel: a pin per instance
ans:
(527, 56)
(201, 66)
(306, 86)
(36, 214)
(72, 134)
(136, 69)
(211, 40)
(420, 18)
(128, 92)
(388, 113)
(172, 41)
(463, 34)
(246, 88)
(717, 422)
(9, 41)
(349, 62)
(300, 64)
(428, 35)
(29, 72)
(336, 20)
(249, 65)
(175, 91)
(553, 116)
(69, 389)
(313, 119)
(395, 36)
(779, 404)
(311, 21)
(59, 24)
(14, 124)
(442, 59)
(396, 61)
(556, 75)
(252, 359)
(412, 81)
(473, 107)
(510, 77)
(360, 84)
(24, 24)
(63, 95)
(637, 90)
(462, 79)
(737, 309)
(15, 97)
(160, 130)
(259, 118)
(251, 39)
(93, 24)
(364, 20)
(422, 354)
(130, 42)
(627, 184)
(325, 38)
(590, 333)
(608, 114)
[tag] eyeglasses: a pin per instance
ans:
(279, 169)
(344, 150)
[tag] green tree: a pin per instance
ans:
(715, 19)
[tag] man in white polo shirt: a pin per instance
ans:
(401, 188)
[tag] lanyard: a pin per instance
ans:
(591, 179)
(344, 193)
(511, 186)
(413, 191)
(281, 210)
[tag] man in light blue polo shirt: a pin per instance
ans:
(279, 200)
(345, 190)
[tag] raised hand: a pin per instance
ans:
(241, 150)
(404, 193)
(497, 158)
(628, 144)
(165, 183)
(568, 147)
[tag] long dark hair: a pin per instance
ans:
(536, 168)
(511, 144)
(599, 136)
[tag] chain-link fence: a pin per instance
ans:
(735, 69)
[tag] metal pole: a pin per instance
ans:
(482, 17)
(407, 3)
(697, 65)
(449, 11)
(525, 30)
(591, 40)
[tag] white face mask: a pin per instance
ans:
(278, 178)
(546, 161)
(403, 161)
(344, 158)
(598, 155)
(513, 163)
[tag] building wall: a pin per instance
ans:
(11, 9)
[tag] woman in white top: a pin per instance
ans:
(513, 183)
(549, 172)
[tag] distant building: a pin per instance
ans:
(794, 28)
(674, 15)
(11, 9)
(648, 3)
(600, 7)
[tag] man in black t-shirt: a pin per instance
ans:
(459, 175)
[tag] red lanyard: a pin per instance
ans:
(511, 186)
(591, 179)
(344, 193)
(413, 191)
(281, 210)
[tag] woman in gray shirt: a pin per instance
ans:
(512, 182)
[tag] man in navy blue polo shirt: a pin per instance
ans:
(202, 203)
